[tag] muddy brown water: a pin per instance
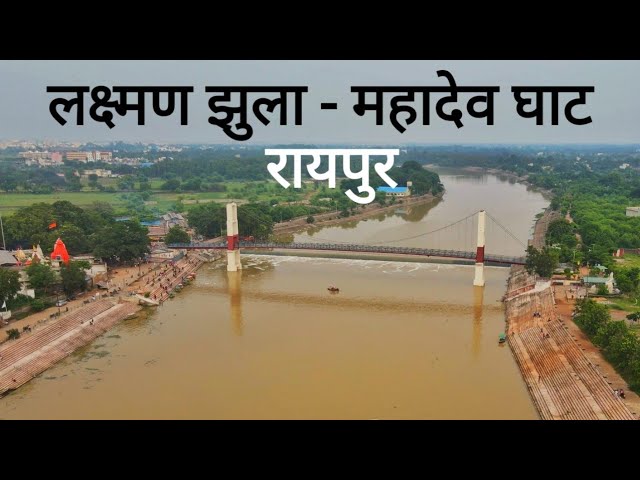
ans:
(400, 341)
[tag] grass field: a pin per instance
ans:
(10, 202)
(255, 191)
(626, 304)
(629, 261)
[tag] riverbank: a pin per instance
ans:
(50, 340)
(26, 358)
(563, 383)
(333, 218)
(524, 179)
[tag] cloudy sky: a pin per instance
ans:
(614, 107)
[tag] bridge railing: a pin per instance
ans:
(344, 247)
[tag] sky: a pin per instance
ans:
(614, 106)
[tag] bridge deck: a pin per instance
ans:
(337, 247)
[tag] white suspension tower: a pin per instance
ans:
(478, 280)
(233, 243)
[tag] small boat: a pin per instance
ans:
(502, 338)
(333, 289)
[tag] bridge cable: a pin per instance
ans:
(404, 238)
(507, 231)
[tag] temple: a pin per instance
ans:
(60, 253)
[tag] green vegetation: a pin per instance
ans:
(562, 235)
(13, 334)
(9, 284)
(618, 342)
(73, 276)
(37, 305)
(541, 262)
(41, 278)
(121, 242)
(92, 229)
(177, 234)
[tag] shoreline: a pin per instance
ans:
(547, 194)
(332, 218)
(564, 383)
(36, 351)
(562, 370)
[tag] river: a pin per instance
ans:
(400, 341)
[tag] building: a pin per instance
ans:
(592, 283)
(59, 254)
(157, 233)
(172, 219)
(395, 191)
(24, 285)
(7, 259)
(85, 157)
(79, 156)
(97, 272)
(633, 212)
(100, 172)
(42, 159)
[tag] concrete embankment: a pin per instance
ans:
(34, 352)
(29, 356)
(563, 383)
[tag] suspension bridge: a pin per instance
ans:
(233, 244)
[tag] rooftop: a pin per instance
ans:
(7, 258)
(596, 280)
(393, 189)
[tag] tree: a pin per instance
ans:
(74, 277)
(13, 334)
(602, 290)
(41, 277)
(93, 180)
(9, 284)
(121, 242)
(591, 316)
(255, 220)
(171, 185)
(177, 234)
(207, 219)
(126, 183)
(310, 219)
(634, 317)
(542, 262)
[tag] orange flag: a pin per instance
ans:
(52, 225)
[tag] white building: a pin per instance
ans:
(633, 212)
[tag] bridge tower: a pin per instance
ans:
(478, 281)
(233, 243)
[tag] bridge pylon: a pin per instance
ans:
(233, 242)
(478, 280)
